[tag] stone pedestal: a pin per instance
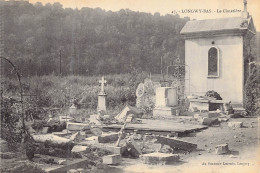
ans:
(165, 112)
(166, 104)
(102, 102)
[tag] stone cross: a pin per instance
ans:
(102, 82)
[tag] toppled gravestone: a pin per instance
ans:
(176, 143)
(235, 124)
(112, 159)
(222, 149)
(160, 158)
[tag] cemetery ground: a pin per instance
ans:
(84, 140)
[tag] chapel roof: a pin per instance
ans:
(217, 25)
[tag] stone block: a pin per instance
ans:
(112, 159)
(108, 138)
(235, 124)
(222, 149)
(77, 126)
(160, 158)
(176, 143)
(79, 148)
(209, 121)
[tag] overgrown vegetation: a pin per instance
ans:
(252, 92)
(89, 41)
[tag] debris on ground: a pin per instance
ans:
(176, 143)
(235, 124)
(160, 158)
(112, 159)
(222, 149)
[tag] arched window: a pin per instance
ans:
(213, 62)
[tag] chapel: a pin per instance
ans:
(218, 55)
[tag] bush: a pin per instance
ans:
(252, 93)
(213, 94)
(10, 113)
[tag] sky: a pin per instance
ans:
(209, 9)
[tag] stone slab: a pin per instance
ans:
(112, 159)
(77, 126)
(160, 158)
(176, 143)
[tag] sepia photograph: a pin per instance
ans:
(130, 86)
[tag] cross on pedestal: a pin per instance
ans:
(102, 82)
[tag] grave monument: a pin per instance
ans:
(102, 96)
(166, 102)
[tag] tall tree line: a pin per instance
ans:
(89, 41)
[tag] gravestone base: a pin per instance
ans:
(102, 102)
(165, 112)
